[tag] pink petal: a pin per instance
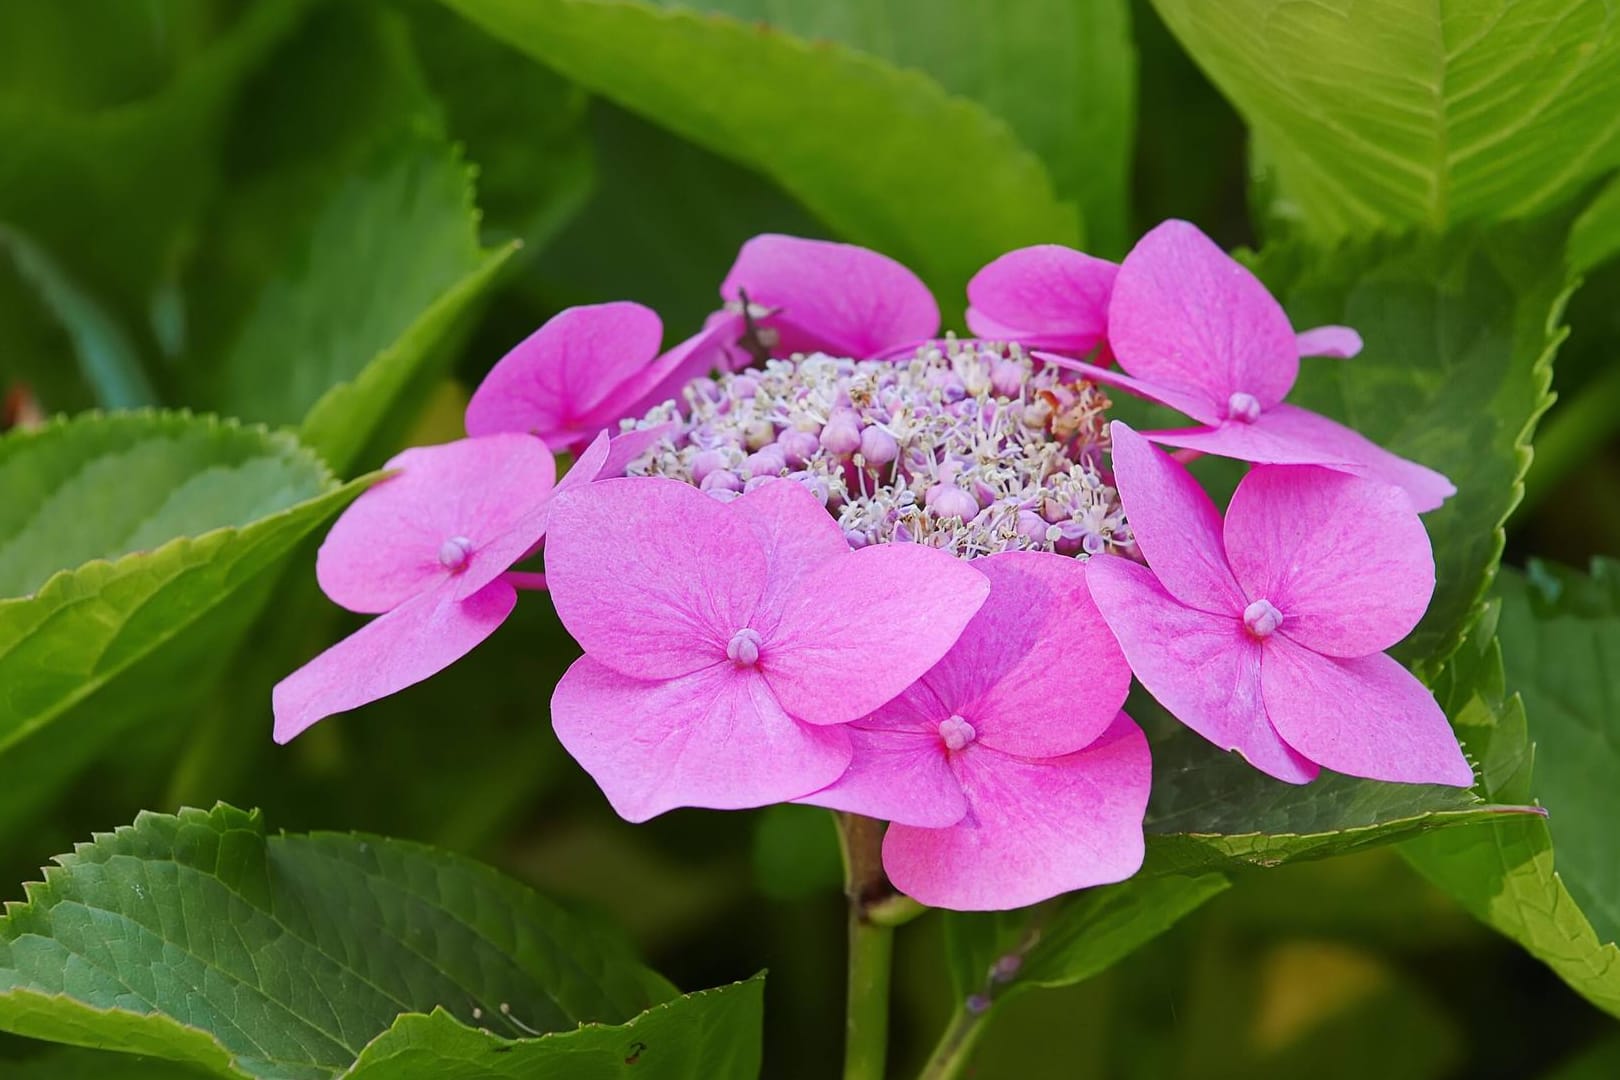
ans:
(1345, 560)
(1196, 405)
(1289, 435)
(1176, 525)
(856, 631)
(652, 577)
(625, 448)
(898, 774)
(836, 297)
(418, 639)
(1037, 672)
(1034, 828)
(1187, 316)
(1339, 342)
(665, 379)
(387, 546)
(554, 383)
(1047, 296)
(795, 531)
(714, 738)
(1364, 717)
(1205, 669)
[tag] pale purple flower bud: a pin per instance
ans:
(1092, 544)
(1007, 378)
(857, 539)
(759, 434)
(1261, 618)
(755, 482)
(454, 553)
(767, 462)
(798, 446)
(722, 480)
(1244, 408)
(878, 447)
(1006, 968)
(977, 1004)
(842, 435)
(950, 501)
(744, 386)
(814, 484)
(706, 462)
(1032, 527)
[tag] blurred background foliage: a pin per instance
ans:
(335, 216)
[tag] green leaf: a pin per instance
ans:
(709, 1035)
(1393, 113)
(1460, 333)
(147, 88)
(1210, 810)
(178, 522)
(391, 265)
(1594, 239)
(76, 1064)
(1560, 637)
(1072, 938)
(1061, 73)
(885, 157)
(196, 938)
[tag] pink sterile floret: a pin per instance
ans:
(1043, 297)
(1195, 330)
(429, 548)
(1265, 633)
(726, 644)
(1008, 770)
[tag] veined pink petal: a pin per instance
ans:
(1364, 717)
(1203, 668)
(1338, 342)
(1176, 525)
(831, 296)
(795, 531)
(856, 631)
(1346, 560)
(563, 372)
(651, 576)
(895, 774)
(1035, 828)
(420, 638)
(1047, 296)
(1289, 435)
(714, 738)
(1037, 672)
(478, 496)
(665, 378)
(1187, 316)
(1197, 405)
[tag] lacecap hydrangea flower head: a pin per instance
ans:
(815, 552)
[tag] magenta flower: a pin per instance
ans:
(429, 548)
(1194, 330)
(726, 644)
(1008, 770)
(589, 367)
(1043, 297)
(1265, 634)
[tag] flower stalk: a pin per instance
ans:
(875, 909)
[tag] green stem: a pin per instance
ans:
(955, 1047)
(871, 948)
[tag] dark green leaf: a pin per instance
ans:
(179, 522)
(1460, 335)
(196, 938)
(1393, 113)
(709, 1035)
(1560, 635)
(886, 158)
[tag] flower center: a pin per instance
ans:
(956, 732)
(1244, 408)
(1262, 618)
(454, 553)
(743, 648)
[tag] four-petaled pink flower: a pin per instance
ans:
(1193, 329)
(429, 548)
(589, 367)
(1008, 771)
(1265, 633)
(727, 644)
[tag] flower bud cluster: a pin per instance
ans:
(967, 446)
